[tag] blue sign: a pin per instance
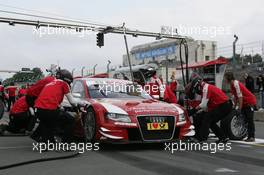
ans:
(156, 52)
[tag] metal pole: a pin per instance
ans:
(108, 66)
(128, 56)
(234, 50)
(262, 49)
(94, 69)
(82, 70)
(167, 70)
(73, 71)
(109, 29)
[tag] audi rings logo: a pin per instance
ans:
(156, 119)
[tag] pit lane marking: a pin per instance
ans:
(258, 142)
(225, 170)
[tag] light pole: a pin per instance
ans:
(94, 69)
(83, 70)
(234, 50)
(108, 68)
(73, 71)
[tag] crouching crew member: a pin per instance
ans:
(245, 102)
(11, 90)
(192, 100)
(2, 92)
(34, 90)
(19, 117)
(216, 106)
(32, 94)
(47, 107)
(22, 91)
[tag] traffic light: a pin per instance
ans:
(100, 39)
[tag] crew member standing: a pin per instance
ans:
(155, 85)
(249, 83)
(216, 107)
(48, 103)
(245, 102)
(11, 90)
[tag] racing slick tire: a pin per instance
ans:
(89, 121)
(234, 126)
(2, 109)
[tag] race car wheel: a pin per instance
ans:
(234, 126)
(2, 109)
(90, 125)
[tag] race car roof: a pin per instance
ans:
(220, 60)
(137, 67)
(91, 81)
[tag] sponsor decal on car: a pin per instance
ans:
(158, 126)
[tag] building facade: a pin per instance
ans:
(166, 53)
(168, 49)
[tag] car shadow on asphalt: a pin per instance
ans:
(105, 147)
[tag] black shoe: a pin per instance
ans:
(3, 129)
(35, 137)
(193, 140)
(250, 139)
(222, 140)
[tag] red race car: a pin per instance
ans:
(122, 112)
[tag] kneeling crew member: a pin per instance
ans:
(48, 103)
(216, 105)
(245, 101)
(19, 117)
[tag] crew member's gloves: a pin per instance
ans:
(75, 108)
(83, 104)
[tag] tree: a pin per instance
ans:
(257, 58)
(25, 77)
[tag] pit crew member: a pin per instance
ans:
(19, 117)
(47, 107)
(216, 106)
(11, 90)
(245, 102)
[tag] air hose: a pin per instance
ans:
(185, 77)
(185, 44)
(39, 160)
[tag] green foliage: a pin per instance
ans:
(248, 58)
(25, 77)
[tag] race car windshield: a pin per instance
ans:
(117, 91)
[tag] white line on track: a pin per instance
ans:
(257, 141)
(225, 170)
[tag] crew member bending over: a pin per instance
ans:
(216, 106)
(245, 102)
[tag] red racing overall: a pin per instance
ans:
(238, 90)
(216, 106)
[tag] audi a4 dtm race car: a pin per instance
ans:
(122, 112)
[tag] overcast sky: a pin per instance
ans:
(20, 47)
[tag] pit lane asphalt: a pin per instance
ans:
(135, 159)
